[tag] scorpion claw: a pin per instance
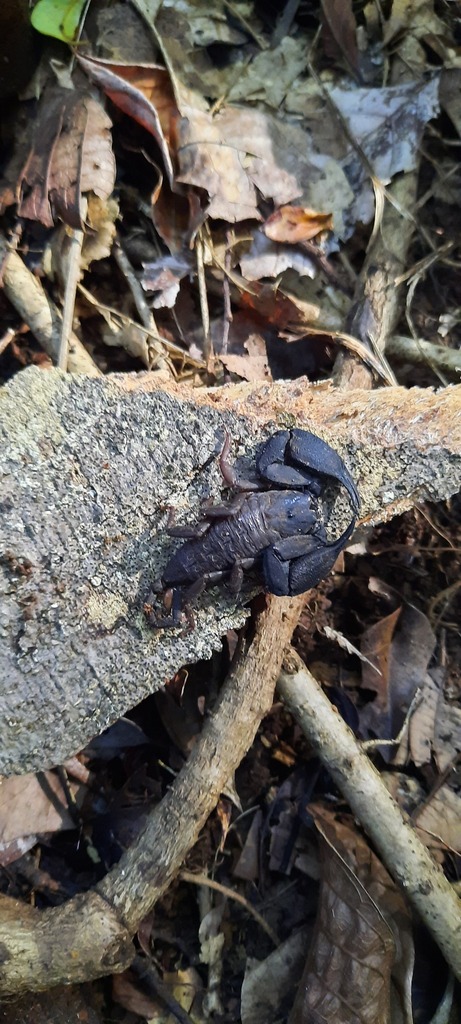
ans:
(308, 450)
(297, 458)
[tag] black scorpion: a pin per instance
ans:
(272, 526)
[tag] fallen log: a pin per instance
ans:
(89, 469)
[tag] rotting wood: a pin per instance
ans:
(89, 468)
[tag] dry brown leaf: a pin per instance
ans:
(296, 224)
(101, 217)
(440, 819)
(31, 804)
(340, 33)
(376, 648)
(422, 723)
(450, 96)
(207, 160)
(143, 92)
(97, 242)
(185, 986)
(415, 16)
(255, 365)
(277, 307)
(447, 734)
(127, 991)
(411, 648)
(163, 276)
(269, 984)
(269, 76)
(71, 155)
(265, 258)
(247, 866)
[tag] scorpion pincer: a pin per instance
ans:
(272, 526)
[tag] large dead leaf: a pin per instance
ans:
(267, 984)
(164, 276)
(270, 259)
(269, 77)
(208, 160)
(386, 125)
(340, 33)
(347, 977)
(295, 224)
(254, 365)
(446, 741)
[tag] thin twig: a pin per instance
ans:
(207, 343)
(72, 278)
(354, 345)
(200, 879)
(227, 318)
(7, 339)
(128, 320)
(145, 314)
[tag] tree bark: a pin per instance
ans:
(89, 470)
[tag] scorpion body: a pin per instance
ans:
(259, 520)
(272, 527)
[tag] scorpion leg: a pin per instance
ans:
(177, 601)
(231, 508)
(172, 602)
(229, 473)
(237, 572)
(188, 532)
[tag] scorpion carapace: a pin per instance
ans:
(272, 526)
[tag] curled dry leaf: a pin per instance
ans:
(401, 646)
(144, 93)
(207, 160)
(268, 984)
(265, 258)
(71, 155)
(163, 276)
(339, 32)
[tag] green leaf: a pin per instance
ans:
(58, 18)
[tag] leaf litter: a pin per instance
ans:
(266, 154)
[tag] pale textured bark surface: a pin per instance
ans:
(88, 469)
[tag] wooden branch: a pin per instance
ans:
(91, 934)
(89, 468)
(27, 295)
(396, 842)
